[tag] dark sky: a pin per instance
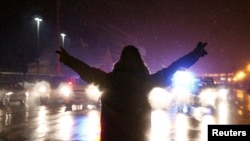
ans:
(164, 30)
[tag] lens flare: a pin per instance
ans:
(93, 92)
(159, 98)
(64, 89)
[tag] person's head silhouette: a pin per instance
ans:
(131, 61)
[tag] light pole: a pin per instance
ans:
(38, 20)
(58, 63)
(63, 36)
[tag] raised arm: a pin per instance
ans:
(86, 72)
(164, 76)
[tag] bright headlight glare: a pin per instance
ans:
(42, 89)
(183, 79)
(93, 92)
(159, 98)
(223, 93)
(9, 93)
(65, 89)
(208, 97)
(27, 93)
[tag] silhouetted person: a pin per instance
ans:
(126, 112)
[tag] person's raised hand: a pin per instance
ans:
(63, 54)
(200, 49)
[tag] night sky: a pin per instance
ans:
(163, 30)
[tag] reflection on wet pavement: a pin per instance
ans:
(46, 124)
(40, 123)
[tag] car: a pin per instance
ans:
(12, 92)
(195, 92)
(203, 83)
(48, 90)
(78, 92)
(42, 90)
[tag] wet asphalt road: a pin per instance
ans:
(53, 123)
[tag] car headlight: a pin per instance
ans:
(65, 89)
(27, 93)
(42, 89)
(208, 96)
(9, 93)
(93, 92)
(223, 93)
(159, 98)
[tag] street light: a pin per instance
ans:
(58, 63)
(248, 67)
(63, 36)
(38, 20)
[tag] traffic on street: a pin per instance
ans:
(174, 119)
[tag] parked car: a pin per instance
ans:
(12, 92)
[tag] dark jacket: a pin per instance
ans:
(126, 112)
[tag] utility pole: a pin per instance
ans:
(58, 68)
